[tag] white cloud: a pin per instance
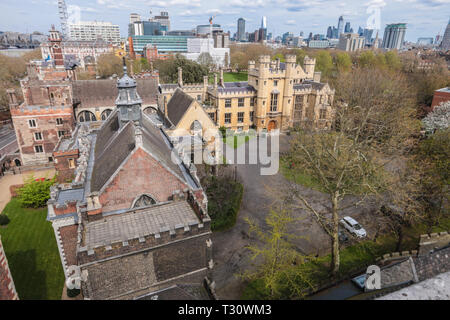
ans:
(290, 22)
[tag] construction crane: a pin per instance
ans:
(211, 25)
(63, 17)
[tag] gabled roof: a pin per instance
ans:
(178, 105)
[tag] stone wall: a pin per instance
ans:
(7, 288)
(429, 242)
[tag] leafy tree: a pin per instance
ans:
(366, 59)
(192, 71)
(343, 62)
(393, 61)
(324, 63)
(438, 119)
(35, 192)
(109, 64)
(279, 270)
(279, 56)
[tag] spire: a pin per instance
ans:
(128, 101)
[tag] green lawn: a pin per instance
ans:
(235, 76)
(296, 176)
(32, 253)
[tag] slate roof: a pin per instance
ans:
(110, 155)
(103, 93)
(178, 105)
(315, 85)
(237, 86)
(179, 292)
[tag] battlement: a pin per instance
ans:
(433, 241)
(165, 236)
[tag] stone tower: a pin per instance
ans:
(309, 64)
(128, 101)
(262, 87)
(288, 91)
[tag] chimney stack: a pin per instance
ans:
(180, 76)
(222, 84)
(215, 81)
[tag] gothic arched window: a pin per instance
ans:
(86, 116)
(105, 114)
(144, 201)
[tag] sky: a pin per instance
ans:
(424, 18)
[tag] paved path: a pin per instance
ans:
(9, 180)
(230, 255)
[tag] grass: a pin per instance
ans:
(237, 140)
(298, 177)
(235, 76)
(355, 258)
(32, 253)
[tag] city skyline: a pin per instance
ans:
(282, 15)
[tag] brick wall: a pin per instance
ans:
(45, 118)
(63, 161)
(142, 174)
(7, 288)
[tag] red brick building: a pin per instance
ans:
(134, 219)
(441, 95)
(7, 288)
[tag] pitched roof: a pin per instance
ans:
(101, 93)
(110, 155)
(178, 105)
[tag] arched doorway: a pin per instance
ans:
(17, 162)
(272, 125)
(86, 116)
(105, 114)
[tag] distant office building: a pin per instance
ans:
(394, 36)
(287, 37)
(221, 40)
(264, 22)
(134, 17)
(163, 19)
(367, 34)
(350, 42)
(186, 33)
(445, 44)
(164, 44)
(144, 28)
(347, 27)
(241, 30)
(330, 32)
(425, 41)
(340, 26)
(93, 30)
(297, 41)
(318, 44)
(205, 29)
(197, 46)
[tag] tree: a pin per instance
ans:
(438, 119)
(279, 269)
(366, 59)
(35, 192)
(108, 65)
(206, 60)
(393, 61)
(192, 71)
(343, 62)
(372, 121)
(324, 63)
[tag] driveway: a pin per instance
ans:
(9, 180)
(260, 191)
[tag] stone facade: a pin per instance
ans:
(276, 96)
(7, 288)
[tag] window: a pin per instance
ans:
(275, 83)
(227, 117)
(105, 114)
(298, 104)
(240, 117)
(32, 123)
(61, 133)
(211, 115)
(38, 149)
(59, 121)
(89, 116)
(50, 159)
(144, 201)
(227, 103)
(71, 163)
(251, 115)
(323, 114)
(256, 82)
(241, 102)
(273, 102)
(199, 97)
(252, 102)
(37, 136)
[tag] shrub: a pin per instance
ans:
(35, 193)
(4, 220)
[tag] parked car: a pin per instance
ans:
(353, 227)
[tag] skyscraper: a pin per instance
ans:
(347, 27)
(340, 26)
(330, 32)
(241, 29)
(264, 22)
(445, 44)
(394, 36)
